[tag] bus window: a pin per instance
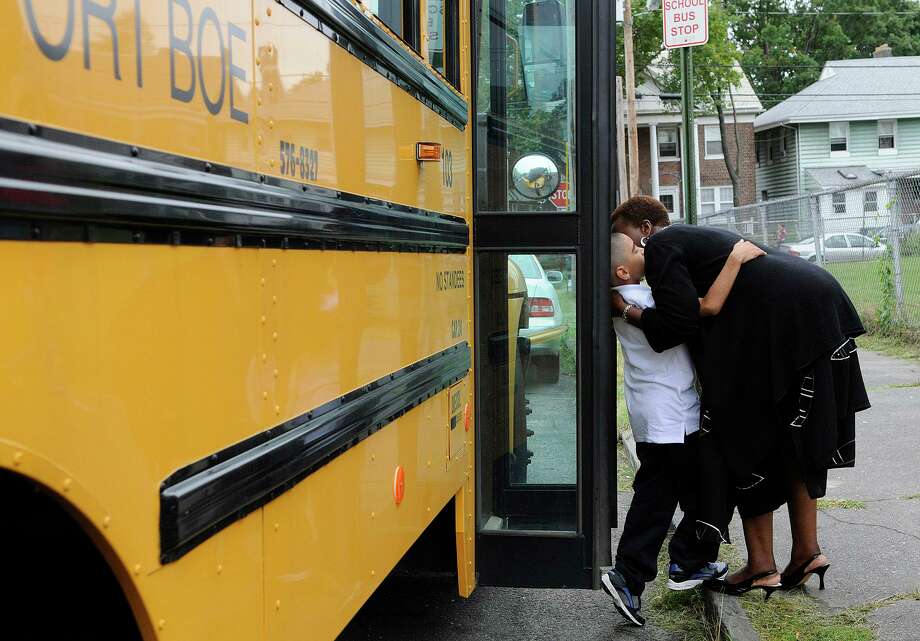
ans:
(400, 16)
(444, 39)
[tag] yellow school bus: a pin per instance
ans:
(236, 281)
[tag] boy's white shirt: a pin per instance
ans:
(661, 394)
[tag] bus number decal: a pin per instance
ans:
(298, 161)
(454, 279)
(447, 168)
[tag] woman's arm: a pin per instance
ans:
(743, 251)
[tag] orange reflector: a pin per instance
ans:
(399, 485)
(467, 417)
(428, 151)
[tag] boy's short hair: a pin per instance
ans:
(638, 208)
(621, 247)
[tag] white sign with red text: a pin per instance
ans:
(686, 23)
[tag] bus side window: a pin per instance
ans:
(443, 29)
(400, 16)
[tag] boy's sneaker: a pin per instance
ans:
(623, 599)
(680, 579)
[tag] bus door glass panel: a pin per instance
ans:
(528, 426)
(525, 108)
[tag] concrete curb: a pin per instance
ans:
(725, 614)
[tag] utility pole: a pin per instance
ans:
(689, 156)
(631, 99)
(621, 144)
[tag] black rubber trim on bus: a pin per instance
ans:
(57, 185)
(343, 23)
(201, 499)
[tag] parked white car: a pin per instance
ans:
(546, 323)
(839, 247)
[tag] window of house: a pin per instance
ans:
(839, 202)
(761, 153)
(886, 136)
(668, 143)
(840, 133)
(668, 201)
(713, 199)
(764, 195)
(870, 202)
(784, 143)
(400, 16)
(712, 138)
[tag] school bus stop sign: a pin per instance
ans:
(686, 23)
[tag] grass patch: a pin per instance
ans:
(567, 350)
(625, 473)
(795, 616)
(682, 612)
(841, 504)
(911, 497)
(895, 344)
(860, 279)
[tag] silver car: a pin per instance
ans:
(838, 247)
(546, 324)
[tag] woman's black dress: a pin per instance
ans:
(779, 372)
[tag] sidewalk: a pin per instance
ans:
(874, 551)
(412, 609)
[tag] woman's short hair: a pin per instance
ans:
(638, 208)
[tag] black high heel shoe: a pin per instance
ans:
(742, 587)
(799, 576)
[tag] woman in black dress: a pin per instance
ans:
(780, 383)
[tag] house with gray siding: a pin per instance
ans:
(858, 121)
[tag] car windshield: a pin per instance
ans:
(528, 265)
(806, 241)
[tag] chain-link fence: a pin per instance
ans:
(866, 233)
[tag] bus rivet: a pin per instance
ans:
(259, 139)
(278, 605)
(274, 262)
(135, 151)
(373, 514)
(268, 10)
(373, 572)
(271, 87)
(274, 336)
(259, 103)
(399, 485)
(275, 373)
(263, 319)
(277, 526)
(258, 62)
(277, 409)
(428, 509)
(264, 357)
(106, 522)
(274, 300)
(258, 22)
(220, 568)
(271, 124)
(262, 282)
(67, 483)
(17, 459)
(161, 624)
(137, 569)
(373, 457)
(264, 396)
(271, 162)
(429, 463)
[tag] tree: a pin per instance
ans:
(715, 74)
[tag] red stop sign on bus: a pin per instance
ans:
(560, 197)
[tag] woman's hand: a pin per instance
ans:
(617, 304)
(744, 251)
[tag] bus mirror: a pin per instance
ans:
(535, 176)
(544, 52)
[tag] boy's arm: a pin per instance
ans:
(743, 251)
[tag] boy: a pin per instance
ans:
(664, 412)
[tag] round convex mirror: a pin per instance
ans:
(535, 176)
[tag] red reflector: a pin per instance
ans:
(428, 151)
(541, 307)
(467, 417)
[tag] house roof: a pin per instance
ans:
(830, 177)
(859, 89)
(746, 101)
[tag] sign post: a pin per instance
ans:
(685, 24)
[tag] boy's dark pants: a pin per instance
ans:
(667, 476)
